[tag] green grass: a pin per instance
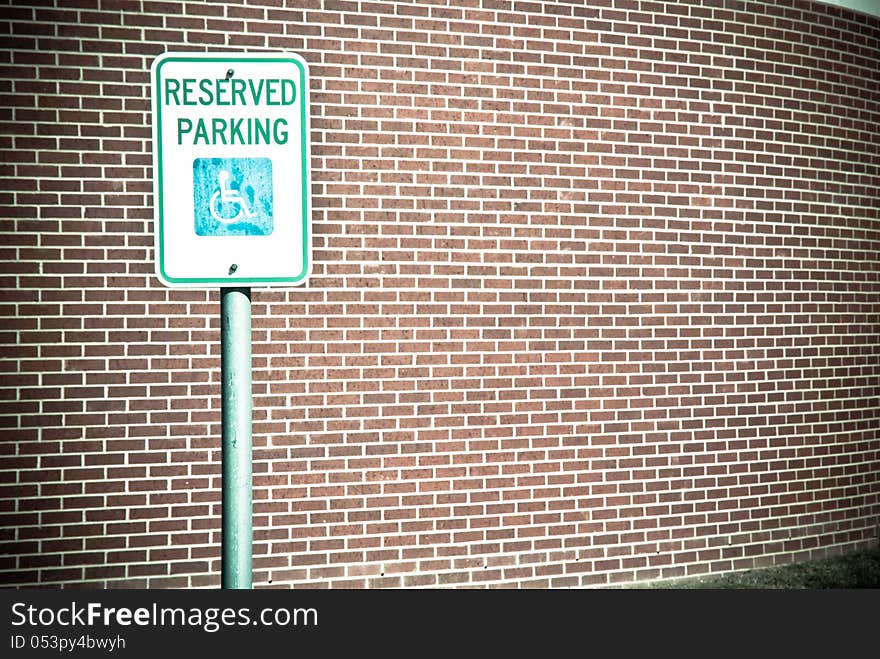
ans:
(858, 570)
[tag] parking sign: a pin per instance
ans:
(231, 169)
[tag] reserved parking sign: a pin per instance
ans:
(231, 169)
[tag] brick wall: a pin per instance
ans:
(595, 298)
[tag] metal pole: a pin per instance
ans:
(235, 367)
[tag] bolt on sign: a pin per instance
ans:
(231, 169)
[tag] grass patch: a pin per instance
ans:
(858, 570)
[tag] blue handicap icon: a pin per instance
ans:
(232, 196)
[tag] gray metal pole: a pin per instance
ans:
(235, 366)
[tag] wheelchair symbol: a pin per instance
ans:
(228, 195)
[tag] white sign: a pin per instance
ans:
(231, 169)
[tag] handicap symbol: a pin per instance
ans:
(232, 197)
(228, 195)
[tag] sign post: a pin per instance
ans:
(231, 194)
(235, 367)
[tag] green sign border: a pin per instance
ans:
(159, 185)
